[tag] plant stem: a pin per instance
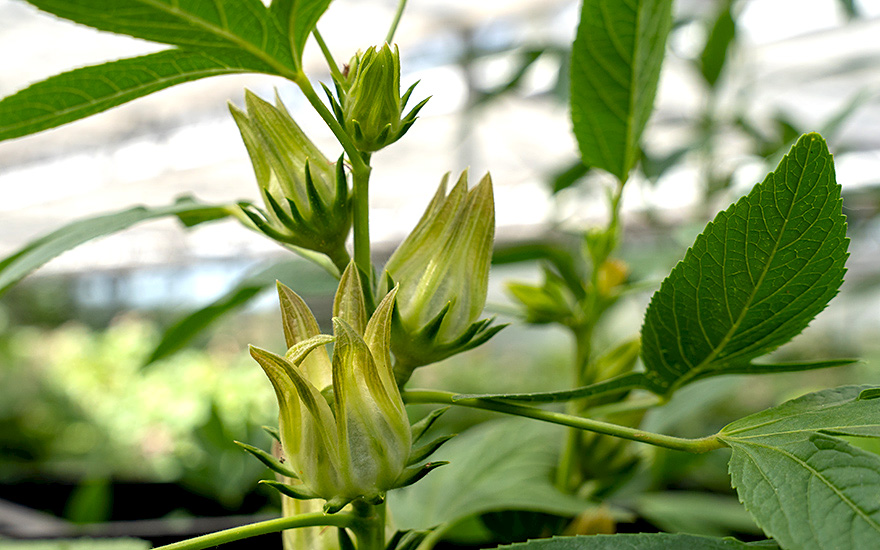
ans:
(566, 474)
(401, 4)
(331, 63)
(360, 170)
(369, 525)
(360, 182)
(700, 445)
(261, 528)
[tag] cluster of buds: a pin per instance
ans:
(370, 106)
(343, 426)
(305, 195)
(442, 268)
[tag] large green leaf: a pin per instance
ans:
(38, 252)
(615, 66)
(644, 541)
(203, 25)
(503, 465)
(297, 19)
(83, 92)
(806, 488)
(755, 277)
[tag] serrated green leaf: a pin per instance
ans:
(13, 268)
(298, 19)
(83, 92)
(805, 488)
(615, 67)
(837, 411)
(755, 277)
(504, 465)
(644, 541)
(813, 493)
(203, 25)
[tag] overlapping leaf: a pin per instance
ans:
(755, 277)
(806, 488)
(615, 67)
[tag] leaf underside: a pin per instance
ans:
(615, 66)
(756, 276)
(805, 487)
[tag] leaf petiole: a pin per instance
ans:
(696, 446)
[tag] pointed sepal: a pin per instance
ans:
(298, 492)
(270, 461)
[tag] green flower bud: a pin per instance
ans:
(443, 271)
(370, 106)
(352, 438)
(306, 196)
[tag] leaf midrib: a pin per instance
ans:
(745, 309)
(795, 431)
(224, 33)
(260, 53)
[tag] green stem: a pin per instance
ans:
(566, 474)
(401, 4)
(369, 525)
(261, 528)
(360, 182)
(360, 170)
(700, 445)
(331, 63)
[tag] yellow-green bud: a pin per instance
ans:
(371, 107)
(352, 438)
(305, 195)
(442, 268)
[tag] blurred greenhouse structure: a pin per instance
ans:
(78, 407)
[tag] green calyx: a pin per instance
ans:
(369, 105)
(306, 196)
(352, 441)
(442, 269)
